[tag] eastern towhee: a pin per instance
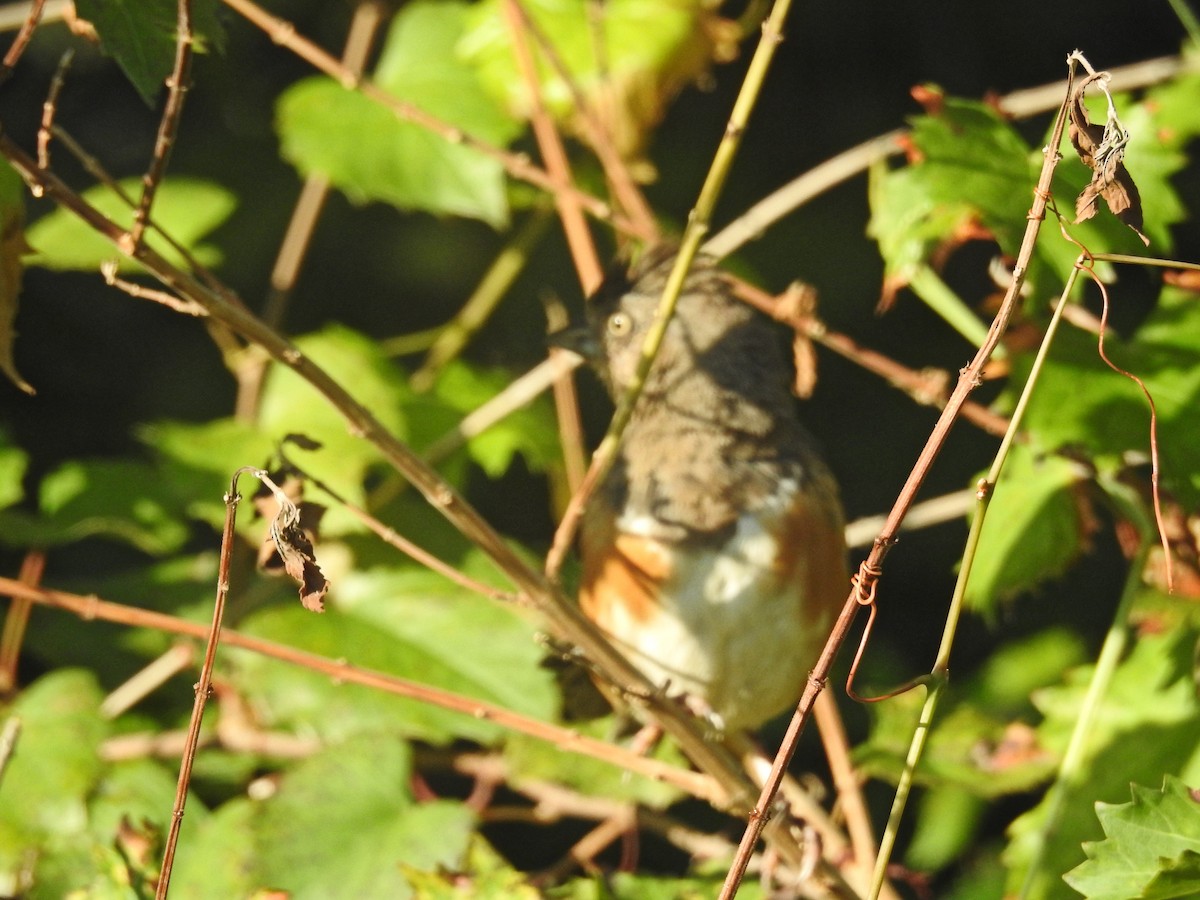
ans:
(713, 553)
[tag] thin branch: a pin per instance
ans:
(579, 239)
(297, 237)
(492, 287)
(1070, 770)
(761, 216)
(17, 620)
(698, 224)
(517, 165)
(583, 852)
(21, 41)
(552, 802)
(939, 673)
(935, 511)
(177, 88)
(563, 617)
(94, 168)
(575, 228)
(625, 191)
(871, 569)
(203, 686)
(341, 671)
(187, 307)
(849, 163)
(926, 387)
(520, 392)
(50, 107)
(394, 539)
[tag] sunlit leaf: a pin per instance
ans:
(122, 500)
(369, 154)
(1151, 847)
(218, 857)
(628, 59)
(533, 758)
(1081, 402)
(530, 431)
(55, 766)
(1145, 727)
(290, 405)
(1032, 532)
(188, 209)
(351, 825)
(412, 624)
(13, 463)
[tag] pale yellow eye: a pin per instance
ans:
(619, 324)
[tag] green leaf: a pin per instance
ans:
(485, 876)
(412, 624)
(217, 855)
(530, 431)
(290, 405)
(651, 887)
(1081, 402)
(947, 823)
(1145, 727)
(972, 164)
(122, 500)
(83, 869)
(1032, 532)
(13, 463)
(188, 209)
(1151, 847)
(1013, 671)
(141, 36)
(979, 742)
(536, 759)
(369, 154)
(199, 459)
(968, 749)
(628, 61)
(53, 769)
(351, 825)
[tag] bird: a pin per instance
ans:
(713, 552)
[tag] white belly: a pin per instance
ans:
(725, 631)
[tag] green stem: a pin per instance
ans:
(1187, 18)
(940, 674)
(939, 297)
(483, 301)
(1071, 769)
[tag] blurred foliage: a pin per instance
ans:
(118, 469)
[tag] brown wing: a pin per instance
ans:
(812, 552)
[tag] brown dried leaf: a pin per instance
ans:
(931, 97)
(289, 547)
(1185, 279)
(798, 302)
(1102, 149)
(296, 551)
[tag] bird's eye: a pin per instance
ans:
(619, 324)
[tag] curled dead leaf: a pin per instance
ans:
(289, 548)
(1102, 149)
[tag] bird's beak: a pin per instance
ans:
(578, 339)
